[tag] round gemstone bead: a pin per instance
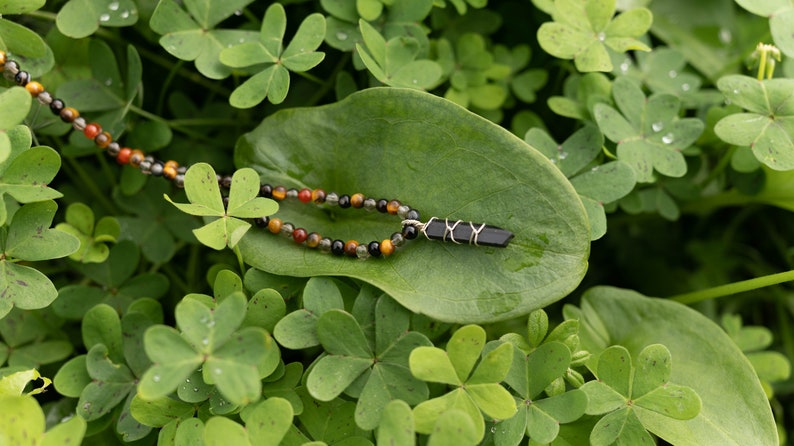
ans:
(374, 249)
(402, 211)
(274, 225)
(337, 247)
(266, 191)
(44, 98)
(136, 157)
(370, 204)
(102, 140)
(56, 106)
(113, 148)
(318, 196)
(123, 157)
(34, 88)
(170, 169)
(392, 207)
(22, 78)
(10, 69)
(79, 123)
(287, 229)
(326, 244)
(350, 248)
(157, 168)
(410, 232)
(226, 181)
(381, 205)
(292, 193)
(362, 252)
(69, 114)
(344, 201)
(261, 222)
(179, 180)
(413, 214)
(279, 193)
(2, 58)
(357, 200)
(386, 247)
(305, 195)
(397, 239)
(92, 130)
(299, 235)
(146, 165)
(313, 240)
(332, 198)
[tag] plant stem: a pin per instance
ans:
(734, 288)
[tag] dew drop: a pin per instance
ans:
(685, 87)
(735, 91)
(602, 36)
(238, 13)
(624, 67)
(113, 6)
(493, 429)
(594, 169)
(187, 380)
(657, 126)
(240, 40)
(195, 389)
(217, 371)
(562, 155)
(341, 36)
(725, 36)
(125, 14)
(205, 341)
(668, 138)
(204, 319)
(104, 17)
(672, 74)
(108, 82)
(86, 406)
(211, 323)
(156, 378)
(553, 161)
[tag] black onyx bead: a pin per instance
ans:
(266, 191)
(374, 249)
(226, 181)
(413, 214)
(382, 205)
(344, 201)
(262, 222)
(22, 78)
(338, 247)
(410, 232)
(56, 106)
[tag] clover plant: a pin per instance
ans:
(639, 151)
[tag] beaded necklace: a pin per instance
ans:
(457, 231)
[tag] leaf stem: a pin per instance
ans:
(720, 166)
(734, 288)
(239, 259)
(87, 181)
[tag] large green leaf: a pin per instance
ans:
(735, 410)
(444, 161)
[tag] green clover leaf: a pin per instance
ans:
(203, 192)
(472, 71)
(14, 106)
(582, 31)
(298, 329)
(401, 19)
(648, 132)
(20, 6)
(14, 384)
(526, 83)
(190, 35)
(80, 223)
(27, 46)
(380, 374)
(767, 126)
(662, 70)
(232, 359)
(26, 342)
(81, 18)
(582, 93)
(273, 81)
(624, 390)
(23, 424)
(29, 238)
(476, 380)
(115, 284)
(596, 185)
(394, 62)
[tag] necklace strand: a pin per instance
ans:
(433, 229)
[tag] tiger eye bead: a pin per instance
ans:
(350, 248)
(392, 207)
(69, 114)
(318, 196)
(103, 140)
(34, 88)
(279, 193)
(386, 247)
(313, 240)
(274, 225)
(170, 169)
(136, 157)
(2, 59)
(357, 200)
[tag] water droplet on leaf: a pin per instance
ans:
(341, 36)
(624, 67)
(104, 17)
(113, 6)
(672, 74)
(238, 13)
(156, 378)
(725, 36)
(668, 138)
(602, 36)
(657, 126)
(685, 87)
(125, 14)
(217, 371)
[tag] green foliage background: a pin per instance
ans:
(635, 147)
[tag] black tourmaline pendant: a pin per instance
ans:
(459, 231)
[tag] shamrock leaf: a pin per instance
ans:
(285, 385)
(524, 84)
(394, 62)
(232, 359)
(298, 329)
(662, 70)
(781, 20)
(29, 341)
(401, 19)
(328, 422)
(22, 423)
(767, 126)
(649, 134)
(15, 383)
(81, 18)
(537, 417)
(26, 172)
(80, 223)
(115, 284)
(14, 106)
(203, 192)
(471, 69)
(190, 35)
(597, 185)
(27, 46)
(380, 374)
(582, 31)
(582, 93)
(476, 380)
(623, 391)
(273, 81)
(28, 238)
